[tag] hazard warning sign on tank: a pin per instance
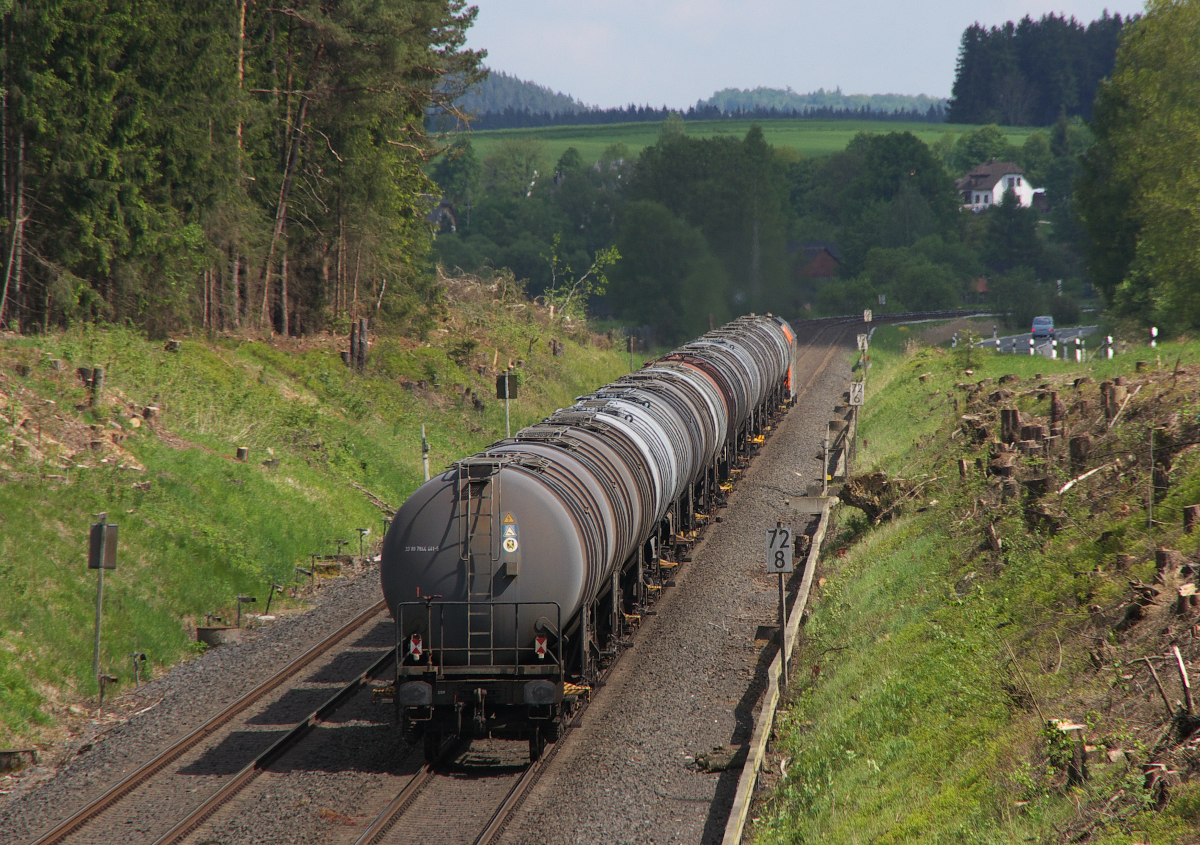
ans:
(508, 534)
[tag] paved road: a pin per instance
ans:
(1019, 343)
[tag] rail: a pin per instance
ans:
(189, 823)
(152, 767)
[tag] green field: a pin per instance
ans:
(808, 137)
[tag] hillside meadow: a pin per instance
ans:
(809, 138)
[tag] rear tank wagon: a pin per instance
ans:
(515, 574)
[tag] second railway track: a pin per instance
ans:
(135, 808)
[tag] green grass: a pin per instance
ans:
(938, 661)
(807, 137)
(208, 527)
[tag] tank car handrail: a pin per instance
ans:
(434, 658)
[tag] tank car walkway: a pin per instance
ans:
(694, 675)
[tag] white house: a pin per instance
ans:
(986, 185)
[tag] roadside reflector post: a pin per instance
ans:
(780, 545)
(102, 555)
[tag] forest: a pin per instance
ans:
(506, 102)
(221, 165)
(1030, 73)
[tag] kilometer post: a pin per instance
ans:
(779, 561)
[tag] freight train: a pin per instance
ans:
(514, 576)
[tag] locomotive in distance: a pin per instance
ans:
(513, 576)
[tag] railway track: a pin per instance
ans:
(468, 802)
(184, 750)
(473, 805)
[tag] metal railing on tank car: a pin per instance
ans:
(433, 655)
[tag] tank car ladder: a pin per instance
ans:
(476, 539)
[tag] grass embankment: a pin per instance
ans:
(197, 527)
(932, 665)
(807, 137)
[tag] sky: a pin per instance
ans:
(675, 52)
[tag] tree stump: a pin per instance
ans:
(1058, 414)
(1186, 600)
(1033, 432)
(1191, 515)
(1161, 482)
(1080, 448)
(1167, 560)
(1003, 465)
(1010, 425)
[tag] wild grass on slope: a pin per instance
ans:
(932, 665)
(196, 527)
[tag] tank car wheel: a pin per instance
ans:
(433, 744)
(537, 744)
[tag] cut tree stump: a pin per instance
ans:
(1191, 515)
(1033, 432)
(1080, 447)
(1010, 425)
(1167, 560)
(1003, 465)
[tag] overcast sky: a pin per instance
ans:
(675, 52)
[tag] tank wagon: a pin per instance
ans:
(513, 575)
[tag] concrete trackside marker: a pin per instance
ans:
(765, 717)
